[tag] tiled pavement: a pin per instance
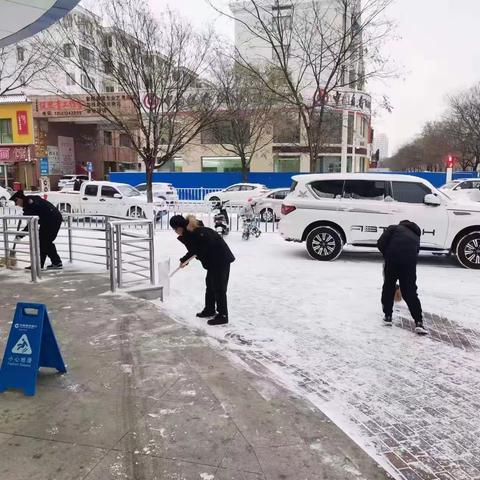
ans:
(423, 418)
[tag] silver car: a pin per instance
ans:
(269, 205)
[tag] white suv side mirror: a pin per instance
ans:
(117, 195)
(432, 200)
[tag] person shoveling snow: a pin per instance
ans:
(209, 247)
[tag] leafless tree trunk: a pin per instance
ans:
(312, 49)
(160, 67)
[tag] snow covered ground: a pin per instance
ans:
(317, 327)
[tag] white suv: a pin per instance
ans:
(328, 211)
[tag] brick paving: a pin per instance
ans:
(421, 417)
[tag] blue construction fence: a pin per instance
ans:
(270, 179)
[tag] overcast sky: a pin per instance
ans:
(438, 52)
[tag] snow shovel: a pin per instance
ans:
(184, 264)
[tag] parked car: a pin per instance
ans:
(165, 191)
(4, 196)
(239, 193)
(466, 189)
(269, 205)
(67, 181)
(107, 198)
(329, 211)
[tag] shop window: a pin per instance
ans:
(286, 164)
(6, 131)
(175, 165)
(221, 164)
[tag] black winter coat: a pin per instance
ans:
(209, 247)
(48, 215)
(400, 243)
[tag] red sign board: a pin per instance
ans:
(13, 154)
(22, 122)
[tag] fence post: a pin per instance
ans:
(111, 260)
(70, 242)
(118, 234)
(5, 240)
(151, 238)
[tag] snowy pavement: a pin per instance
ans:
(411, 402)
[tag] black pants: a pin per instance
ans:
(406, 273)
(47, 235)
(216, 293)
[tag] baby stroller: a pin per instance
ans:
(251, 222)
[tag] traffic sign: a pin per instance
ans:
(31, 344)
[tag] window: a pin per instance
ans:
(108, 191)
(20, 54)
(328, 188)
(91, 190)
(109, 88)
(68, 50)
(108, 67)
(125, 141)
(235, 188)
(6, 131)
(108, 41)
(68, 20)
(70, 79)
(410, 192)
(122, 69)
(222, 133)
(286, 128)
(221, 164)
(466, 185)
(366, 190)
(107, 137)
(86, 54)
(281, 195)
(175, 165)
(329, 164)
(286, 164)
(246, 188)
(86, 82)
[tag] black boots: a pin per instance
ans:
(218, 320)
(205, 314)
(387, 321)
(420, 329)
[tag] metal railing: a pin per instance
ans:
(131, 252)
(195, 194)
(25, 244)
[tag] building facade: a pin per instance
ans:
(380, 143)
(17, 155)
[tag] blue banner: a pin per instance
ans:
(44, 166)
(31, 344)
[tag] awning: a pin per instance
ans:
(21, 19)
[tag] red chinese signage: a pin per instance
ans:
(22, 122)
(14, 154)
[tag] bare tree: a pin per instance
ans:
(464, 116)
(312, 49)
(22, 64)
(243, 124)
(159, 66)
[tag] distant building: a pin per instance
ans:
(380, 142)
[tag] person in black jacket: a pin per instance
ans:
(215, 255)
(49, 220)
(400, 245)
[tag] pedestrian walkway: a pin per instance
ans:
(147, 399)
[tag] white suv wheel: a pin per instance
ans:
(324, 243)
(468, 250)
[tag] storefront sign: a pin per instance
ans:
(14, 154)
(22, 122)
(80, 106)
(352, 100)
(44, 166)
(54, 166)
(31, 345)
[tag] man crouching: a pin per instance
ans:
(215, 255)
